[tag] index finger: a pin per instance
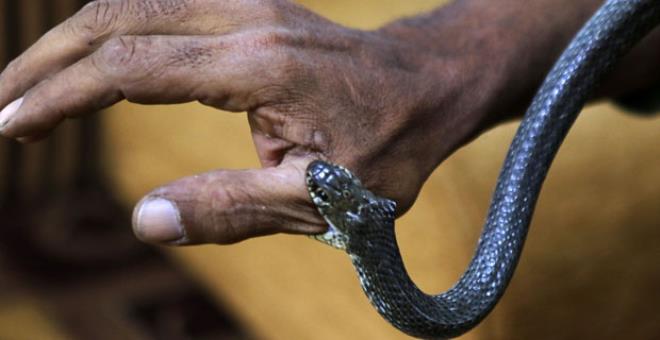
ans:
(101, 20)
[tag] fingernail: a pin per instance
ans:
(9, 110)
(157, 220)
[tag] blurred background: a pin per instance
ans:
(70, 267)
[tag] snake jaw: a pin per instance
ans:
(333, 237)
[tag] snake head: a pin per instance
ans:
(341, 199)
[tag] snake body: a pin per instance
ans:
(362, 223)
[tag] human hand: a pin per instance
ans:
(389, 104)
(312, 89)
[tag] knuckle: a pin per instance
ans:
(122, 54)
(101, 18)
(96, 19)
(221, 216)
(281, 65)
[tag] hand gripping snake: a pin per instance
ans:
(362, 223)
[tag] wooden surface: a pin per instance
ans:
(589, 270)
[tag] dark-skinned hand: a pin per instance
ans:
(389, 104)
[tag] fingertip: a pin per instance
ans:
(158, 220)
(27, 120)
(8, 113)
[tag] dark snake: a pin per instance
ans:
(362, 223)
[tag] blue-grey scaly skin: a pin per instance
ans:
(363, 224)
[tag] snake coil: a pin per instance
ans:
(363, 224)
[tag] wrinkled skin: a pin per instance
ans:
(389, 104)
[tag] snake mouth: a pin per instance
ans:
(317, 194)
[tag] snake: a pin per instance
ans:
(362, 223)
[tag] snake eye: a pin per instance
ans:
(346, 194)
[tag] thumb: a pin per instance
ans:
(228, 206)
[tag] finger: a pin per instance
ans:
(217, 71)
(228, 206)
(100, 21)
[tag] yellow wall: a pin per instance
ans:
(592, 256)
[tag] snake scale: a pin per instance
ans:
(362, 223)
